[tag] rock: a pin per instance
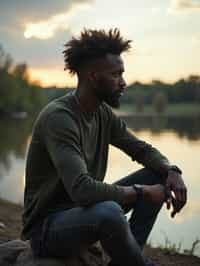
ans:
(2, 226)
(10, 250)
(19, 253)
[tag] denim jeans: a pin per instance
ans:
(65, 233)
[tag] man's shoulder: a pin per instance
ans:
(57, 110)
(62, 103)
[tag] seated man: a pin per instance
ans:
(67, 206)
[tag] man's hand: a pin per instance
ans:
(175, 185)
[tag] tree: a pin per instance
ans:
(17, 93)
(160, 102)
(139, 102)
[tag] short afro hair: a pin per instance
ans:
(91, 45)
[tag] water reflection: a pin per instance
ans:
(189, 212)
(12, 180)
(184, 152)
(13, 139)
(14, 136)
(178, 139)
(183, 126)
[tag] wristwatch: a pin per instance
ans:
(175, 168)
(139, 190)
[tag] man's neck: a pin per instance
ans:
(88, 101)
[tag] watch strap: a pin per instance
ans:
(175, 168)
(139, 190)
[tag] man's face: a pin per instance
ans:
(107, 79)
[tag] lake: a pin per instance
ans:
(177, 138)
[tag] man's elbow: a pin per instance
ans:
(80, 201)
(80, 197)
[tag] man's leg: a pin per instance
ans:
(66, 233)
(145, 212)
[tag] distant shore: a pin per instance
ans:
(10, 227)
(172, 110)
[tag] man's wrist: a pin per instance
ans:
(139, 191)
(165, 168)
(146, 191)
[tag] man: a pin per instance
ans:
(67, 206)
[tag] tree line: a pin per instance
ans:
(18, 93)
(160, 94)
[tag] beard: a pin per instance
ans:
(108, 95)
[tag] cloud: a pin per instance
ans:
(52, 76)
(46, 29)
(37, 52)
(185, 5)
(17, 13)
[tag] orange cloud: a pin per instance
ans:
(52, 77)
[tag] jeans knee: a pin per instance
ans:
(111, 213)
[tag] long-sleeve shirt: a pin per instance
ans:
(67, 158)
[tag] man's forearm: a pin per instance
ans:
(130, 194)
(142, 152)
(84, 190)
(89, 191)
(155, 193)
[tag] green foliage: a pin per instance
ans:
(182, 91)
(16, 91)
(172, 248)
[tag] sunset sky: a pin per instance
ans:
(165, 34)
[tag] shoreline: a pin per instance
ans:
(10, 227)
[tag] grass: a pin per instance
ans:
(186, 109)
(172, 248)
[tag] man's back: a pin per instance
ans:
(45, 190)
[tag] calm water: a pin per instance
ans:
(179, 139)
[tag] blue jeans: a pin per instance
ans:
(65, 233)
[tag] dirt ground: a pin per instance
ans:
(10, 227)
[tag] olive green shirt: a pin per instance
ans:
(67, 158)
